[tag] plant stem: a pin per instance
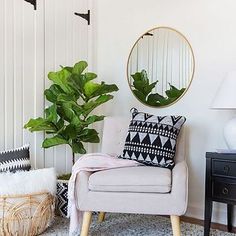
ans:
(73, 158)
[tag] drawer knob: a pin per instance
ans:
(226, 169)
(225, 191)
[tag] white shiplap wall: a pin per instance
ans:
(32, 43)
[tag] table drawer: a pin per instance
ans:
(224, 168)
(224, 190)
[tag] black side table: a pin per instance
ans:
(220, 185)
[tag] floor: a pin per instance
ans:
(131, 225)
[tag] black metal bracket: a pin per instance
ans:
(85, 16)
(33, 2)
(147, 34)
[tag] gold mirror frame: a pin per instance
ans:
(193, 69)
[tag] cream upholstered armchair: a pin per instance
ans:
(160, 190)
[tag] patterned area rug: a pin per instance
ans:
(133, 225)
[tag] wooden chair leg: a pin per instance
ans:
(86, 223)
(175, 222)
(101, 217)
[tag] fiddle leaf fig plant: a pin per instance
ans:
(142, 89)
(73, 96)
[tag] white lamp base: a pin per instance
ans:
(230, 134)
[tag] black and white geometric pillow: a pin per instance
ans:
(14, 160)
(62, 199)
(152, 139)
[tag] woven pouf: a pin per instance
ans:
(26, 215)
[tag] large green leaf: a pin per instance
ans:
(139, 95)
(67, 98)
(77, 81)
(156, 99)
(66, 111)
(39, 124)
(54, 141)
(61, 79)
(89, 76)
(51, 113)
(94, 89)
(150, 87)
(89, 136)
(141, 84)
(104, 89)
(173, 92)
(137, 76)
(53, 92)
(78, 147)
(79, 125)
(103, 98)
(70, 131)
(60, 124)
(69, 68)
(91, 105)
(90, 87)
(80, 67)
(93, 119)
(78, 109)
(140, 76)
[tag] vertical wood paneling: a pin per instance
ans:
(39, 76)
(49, 60)
(60, 59)
(29, 78)
(69, 61)
(9, 80)
(33, 43)
(80, 35)
(18, 72)
(80, 29)
(2, 75)
(92, 37)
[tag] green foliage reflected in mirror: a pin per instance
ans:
(160, 67)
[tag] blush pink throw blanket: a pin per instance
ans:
(90, 162)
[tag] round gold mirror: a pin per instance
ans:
(160, 67)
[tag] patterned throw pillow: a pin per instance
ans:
(152, 139)
(14, 160)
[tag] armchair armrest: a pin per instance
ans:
(180, 184)
(82, 189)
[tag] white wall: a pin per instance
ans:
(209, 25)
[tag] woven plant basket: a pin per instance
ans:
(26, 215)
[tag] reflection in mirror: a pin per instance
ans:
(160, 67)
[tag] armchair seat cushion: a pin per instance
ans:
(141, 179)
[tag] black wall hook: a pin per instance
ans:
(33, 2)
(147, 34)
(85, 16)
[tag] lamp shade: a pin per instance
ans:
(226, 95)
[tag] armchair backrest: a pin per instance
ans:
(114, 134)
